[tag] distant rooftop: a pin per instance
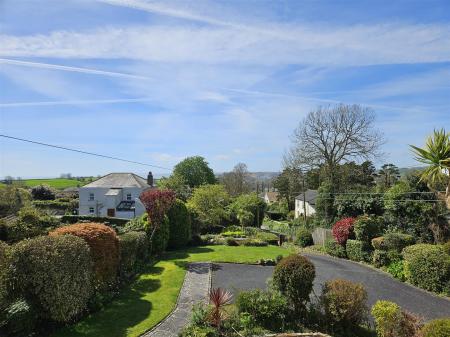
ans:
(119, 180)
(311, 196)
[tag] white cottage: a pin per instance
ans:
(307, 201)
(114, 195)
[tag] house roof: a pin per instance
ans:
(272, 196)
(119, 180)
(310, 196)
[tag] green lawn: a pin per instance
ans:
(152, 297)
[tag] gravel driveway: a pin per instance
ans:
(379, 286)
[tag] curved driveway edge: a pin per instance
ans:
(195, 289)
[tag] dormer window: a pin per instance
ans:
(91, 196)
(129, 197)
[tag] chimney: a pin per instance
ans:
(150, 179)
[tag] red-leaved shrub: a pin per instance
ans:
(104, 245)
(343, 229)
(157, 203)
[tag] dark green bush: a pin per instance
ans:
(357, 250)
(231, 242)
(267, 308)
(161, 237)
(437, 328)
(427, 266)
(133, 253)
(294, 277)
(4, 252)
(335, 249)
(368, 227)
(397, 241)
(303, 237)
(43, 192)
(179, 225)
(71, 219)
(19, 320)
(54, 274)
(344, 303)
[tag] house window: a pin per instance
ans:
(129, 197)
(91, 210)
(91, 196)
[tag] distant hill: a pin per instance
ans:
(404, 171)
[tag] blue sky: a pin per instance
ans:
(229, 80)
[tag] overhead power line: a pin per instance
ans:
(83, 152)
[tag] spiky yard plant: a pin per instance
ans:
(435, 154)
(218, 298)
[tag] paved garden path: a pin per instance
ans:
(379, 286)
(195, 289)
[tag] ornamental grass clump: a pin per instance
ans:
(104, 245)
(219, 298)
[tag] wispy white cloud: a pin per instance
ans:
(354, 45)
(75, 102)
(68, 68)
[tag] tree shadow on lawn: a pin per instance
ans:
(127, 310)
(185, 253)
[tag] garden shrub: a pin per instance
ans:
(368, 227)
(270, 238)
(344, 303)
(380, 258)
(160, 238)
(213, 239)
(133, 253)
(104, 245)
(303, 237)
(397, 269)
(233, 234)
(179, 225)
(72, 219)
(19, 320)
(54, 275)
(343, 230)
(335, 249)
(397, 241)
(254, 242)
(43, 192)
(231, 242)
(357, 251)
(392, 321)
(293, 277)
(446, 247)
(4, 252)
(378, 243)
(267, 308)
(427, 266)
(437, 328)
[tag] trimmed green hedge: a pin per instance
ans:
(357, 250)
(54, 274)
(366, 228)
(71, 219)
(133, 253)
(335, 249)
(427, 266)
(179, 225)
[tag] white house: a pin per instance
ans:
(309, 203)
(270, 197)
(114, 195)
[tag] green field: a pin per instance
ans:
(153, 295)
(57, 183)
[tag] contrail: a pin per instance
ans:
(74, 102)
(71, 69)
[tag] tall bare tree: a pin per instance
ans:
(331, 135)
(237, 181)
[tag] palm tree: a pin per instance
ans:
(436, 154)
